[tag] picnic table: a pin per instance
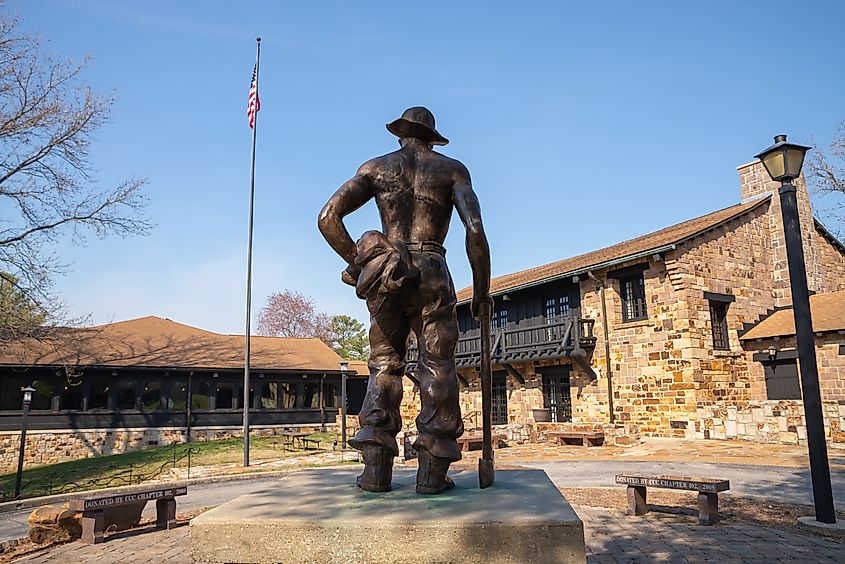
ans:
(300, 438)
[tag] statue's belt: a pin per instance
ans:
(426, 247)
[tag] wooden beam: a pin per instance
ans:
(463, 381)
(579, 357)
(514, 373)
(413, 379)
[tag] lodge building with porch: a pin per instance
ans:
(665, 334)
(152, 381)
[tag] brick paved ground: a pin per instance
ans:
(612, 537)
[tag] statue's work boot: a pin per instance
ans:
(378, 469)
(431, 474)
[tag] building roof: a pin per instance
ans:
(161, 343)
(827, 310)
(360, 367)
(645, 245)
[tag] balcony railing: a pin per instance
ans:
(522, 344)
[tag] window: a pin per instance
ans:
(312, 395)
(499, 320)
(225, 395)
(42, 397)
(11, 397)
(288, 395)
(98, 396)
(500, 399)
(329, 394)
(125, 398)
(200, 392)
(719, 324)
(71, 398)
(151, 398)
(177, 398)
(556, 393)
(782, 380)
(556, 309)
(719, 304)
(632, 292)
(269, 395)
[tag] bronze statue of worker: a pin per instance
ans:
(401, 272)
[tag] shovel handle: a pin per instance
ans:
(485, 465)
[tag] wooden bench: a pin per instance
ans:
(92, 509)
(708, 493)
(466, 442)
(585, 438)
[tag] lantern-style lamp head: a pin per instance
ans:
(27, 394)
(344, 366)
(783, 160)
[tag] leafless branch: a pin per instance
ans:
(47, 121)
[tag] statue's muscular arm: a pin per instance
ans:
(478, 251)
(353, 194)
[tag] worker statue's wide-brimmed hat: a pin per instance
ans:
(417, 122)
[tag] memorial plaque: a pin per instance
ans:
(675, 483)
(94, 504)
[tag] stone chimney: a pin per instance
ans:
(754, 183)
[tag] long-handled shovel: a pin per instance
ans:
(486, 469)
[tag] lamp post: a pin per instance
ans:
(783, 162)
(27, 400)
(344, 369)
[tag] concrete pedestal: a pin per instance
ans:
(320, 516)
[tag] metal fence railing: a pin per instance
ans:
(109, 476)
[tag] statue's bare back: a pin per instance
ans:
(414, 192)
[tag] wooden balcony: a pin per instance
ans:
(522, 344)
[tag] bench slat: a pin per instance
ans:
(94, 503)
(708, 485)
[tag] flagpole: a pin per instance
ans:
(249, 260)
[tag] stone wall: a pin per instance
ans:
(768, 421)
(651, 359)
(830, 362)
(665, 367)
(61, 445)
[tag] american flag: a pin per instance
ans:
(254, 104)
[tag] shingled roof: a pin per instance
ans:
(645, 245)
(827, 311)
(161, 343)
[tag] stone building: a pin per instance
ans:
(151, 381)
(678, 304)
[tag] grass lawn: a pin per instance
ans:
(136, 467)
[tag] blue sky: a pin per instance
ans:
(583, 124)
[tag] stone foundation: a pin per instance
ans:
(522, 518)
(768, 421)
(60, 445)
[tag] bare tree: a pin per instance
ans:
(48, 186)
(290, 314)
(826, 169)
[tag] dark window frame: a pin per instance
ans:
(499, 318)
(556, 308)
(633, 296)
(556, 392)
(719, 325)
(500, 399)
